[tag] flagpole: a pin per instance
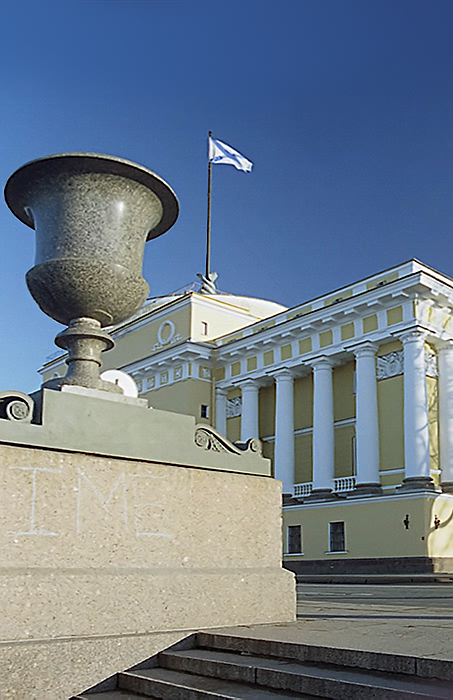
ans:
(208, 227)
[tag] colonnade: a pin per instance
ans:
(416, 418)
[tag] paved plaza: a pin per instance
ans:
(400, 619)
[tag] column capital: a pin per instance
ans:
(321, 362)
(412, 335)
(249, 381)
(221, 391)
(247, 384)
(443, 347)
(363, 349)
(282, 374)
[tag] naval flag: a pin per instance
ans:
(220, 152)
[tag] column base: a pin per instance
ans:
(321, 495)
(366, 490)
(417, 483)
(447, 486)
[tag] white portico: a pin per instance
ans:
(378, 332)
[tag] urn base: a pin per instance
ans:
(84, 340)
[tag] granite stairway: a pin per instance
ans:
(222, 666)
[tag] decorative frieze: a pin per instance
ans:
(234, 407)
(430, 364)
(390, 365)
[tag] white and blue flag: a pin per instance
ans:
(220, 152)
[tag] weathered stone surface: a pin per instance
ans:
(102, 556)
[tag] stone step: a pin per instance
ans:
(320, 680)
(337, 656)
(167, 684)
(224, 665)
(394, 579)
(110, 695)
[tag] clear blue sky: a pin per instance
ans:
(344, 106)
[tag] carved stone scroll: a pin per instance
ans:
(16, 406)
(209, 439)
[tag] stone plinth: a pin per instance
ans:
(106, 559)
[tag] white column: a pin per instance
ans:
(323, 430)
(366, 422)
(284, 429)
(220, 410)
(249, 419)
(445, 384)
(416, 423)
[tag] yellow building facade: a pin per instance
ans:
(351, 394)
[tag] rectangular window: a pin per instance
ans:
(294, 543)
(204, 328)
(204, 410)
(336, 537)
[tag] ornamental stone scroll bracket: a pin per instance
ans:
(209, 439)
(16, 406)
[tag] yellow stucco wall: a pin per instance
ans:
(221, 318)
(268, 452)
(391, 422)
(303, 458)
(140, 343)
(374, 528)
(325, 339)
(343, 396)
(370, 323)
(394, 315)
(303, 402)
(347, 331)
(391, 346)
(267, 410)
(182, 397)
(344, 450)
(439, 539)
(252, 363)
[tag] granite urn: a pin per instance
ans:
(92, 215)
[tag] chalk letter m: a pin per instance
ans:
(104, 502)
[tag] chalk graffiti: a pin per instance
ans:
(32, 530)
(128, 502)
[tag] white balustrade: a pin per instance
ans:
(343, 483)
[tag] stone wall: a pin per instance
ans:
(107, 560)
